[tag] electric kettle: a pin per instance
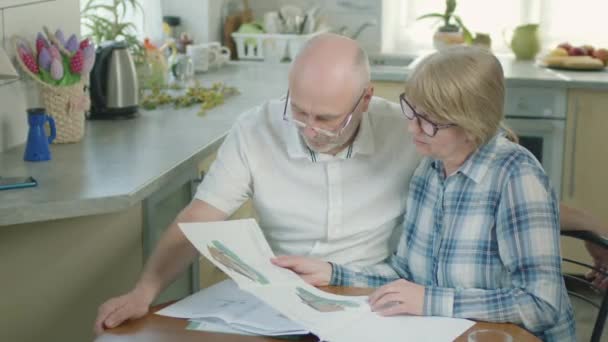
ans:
(113, 88)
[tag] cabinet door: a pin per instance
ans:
(159, 211)
(388, 90)
(585, 182)
(585, 179)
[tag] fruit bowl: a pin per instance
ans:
(568, 57)
(582, 63)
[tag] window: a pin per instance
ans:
(578, 22)
(147, 22)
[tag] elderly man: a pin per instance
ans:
(327, 169)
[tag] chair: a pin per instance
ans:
(573, 283)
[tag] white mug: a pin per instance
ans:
(272, 22)
(219, 56)
(203, 56)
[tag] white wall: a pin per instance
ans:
(201, 19)
(25, 18)
(349, 13)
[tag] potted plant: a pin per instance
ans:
(105, 21)
(452, 31)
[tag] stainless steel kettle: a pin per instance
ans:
(114, 88)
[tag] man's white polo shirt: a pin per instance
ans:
(340, 208)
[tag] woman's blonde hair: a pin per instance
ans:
(461, 85)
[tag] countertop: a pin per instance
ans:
(517, 74)
(119, 163)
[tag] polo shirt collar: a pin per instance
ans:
(363, 143)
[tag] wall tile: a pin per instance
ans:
(15, 99)
(26, 21)
(14, 3)
(2, 27)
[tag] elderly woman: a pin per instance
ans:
(481, 234)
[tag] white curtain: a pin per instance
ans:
(579, 22)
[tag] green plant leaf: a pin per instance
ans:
(430, 15)
(468, 37)
(94, 8)
(450, 7)
(45, 77)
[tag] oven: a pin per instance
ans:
(538, 117)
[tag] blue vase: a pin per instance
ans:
(37, 147)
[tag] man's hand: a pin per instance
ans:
(313, 271)
(119, 309)
(600, 260)
(398, 297)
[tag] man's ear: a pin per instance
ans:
(369, 93)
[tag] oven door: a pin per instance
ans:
(545, 139)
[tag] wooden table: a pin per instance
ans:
(155, 328)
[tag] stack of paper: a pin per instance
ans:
(240, 250)
(225, 308)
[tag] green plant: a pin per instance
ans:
(447, 16)
(105, 21)
(207, 97)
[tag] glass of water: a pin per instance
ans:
(489, 335)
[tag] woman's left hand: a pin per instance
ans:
(398, 297)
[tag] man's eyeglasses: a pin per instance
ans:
(325, 128)
(427, 126)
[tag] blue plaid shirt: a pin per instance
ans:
(484, 242)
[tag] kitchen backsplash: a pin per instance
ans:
(202, 19)
(349, 14)
(25, 18)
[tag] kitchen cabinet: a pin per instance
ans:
(388, 90)
(585, 168)
(159, 211)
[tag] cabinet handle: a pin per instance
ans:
(199, 179)
(194, 183)
(572, 152)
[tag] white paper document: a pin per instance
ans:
(224, 307)
(239, 249)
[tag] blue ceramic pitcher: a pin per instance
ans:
(37, 147)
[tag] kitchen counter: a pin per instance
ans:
(120, 163)
(517, 73)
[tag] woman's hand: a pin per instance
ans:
(398, 297)
(313, 271)
(600, 260)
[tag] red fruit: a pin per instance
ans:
(589, 49)
(577, 51)
(29, 61)
(601, 54)
(84, 43)
(566, 46)
(76, 62)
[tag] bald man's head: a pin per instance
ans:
(329, 89)
(331, 61)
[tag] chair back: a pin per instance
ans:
(577, 290)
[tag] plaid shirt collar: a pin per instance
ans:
(477, 165)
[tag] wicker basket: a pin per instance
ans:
(66, 104)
